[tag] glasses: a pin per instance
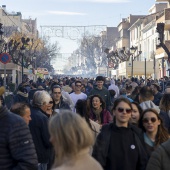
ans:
(122, 110)
(57, 92)
(152, 119)
(50, 102)
(61, 84)
(78, 85)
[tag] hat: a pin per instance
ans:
(156, 85)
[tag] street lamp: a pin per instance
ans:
(132, 52)
(22, 52)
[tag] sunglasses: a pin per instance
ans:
(50, 102)
(57, 92)
(78, 85)
(152, 119)
(122, 110)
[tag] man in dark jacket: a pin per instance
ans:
(17, 150)
(102, 91)
(39, 128)
(22, 95)
(58, 99)
(157, 95)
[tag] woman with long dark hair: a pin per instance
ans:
(154, 130)
(98, 112)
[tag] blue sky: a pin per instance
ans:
(77, 12)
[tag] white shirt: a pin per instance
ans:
(76, 97)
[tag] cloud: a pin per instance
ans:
(65, 13)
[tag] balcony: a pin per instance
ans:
(160, 51)
(167, 18)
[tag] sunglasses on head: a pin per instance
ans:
(152, 119)
(120, 109)
(50, 102)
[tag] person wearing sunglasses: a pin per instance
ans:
(50, 108)
(118, 145)
(77, 94)
(154, 130)
(59, 103)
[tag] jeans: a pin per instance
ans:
(42, 166)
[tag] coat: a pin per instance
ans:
(101, 148)
(104, 115)
(160, 158)
(17, 149)
(40, 134)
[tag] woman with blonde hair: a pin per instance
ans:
(72, 139)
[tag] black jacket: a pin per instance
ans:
(17, 150)
(101, 147)
(62, 105)
(20, 97)
(39, 130)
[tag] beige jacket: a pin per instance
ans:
(83, 161)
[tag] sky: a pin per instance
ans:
(77, 13)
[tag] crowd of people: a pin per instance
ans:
(68, 123)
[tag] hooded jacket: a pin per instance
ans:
(114, 87)
(160, 158)
(149, 104)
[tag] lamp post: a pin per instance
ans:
(22, 52)
(132, 51)
(145, 71)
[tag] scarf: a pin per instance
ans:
(22, 94)
(97, 114)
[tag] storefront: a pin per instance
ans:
(125, 69)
